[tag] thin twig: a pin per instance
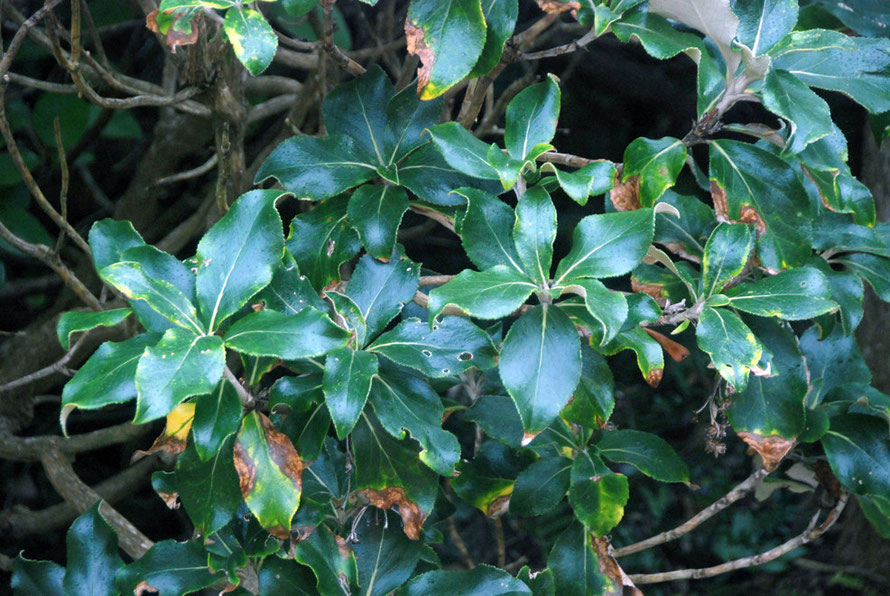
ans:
(435, 280)
(247, 400)
(60, 366)
(189, 174)
(811, 533)
(728, 499)
(579, 43)
(63, 187)
(30, 448)
(325, 32)
(499, 538)
(460, 544)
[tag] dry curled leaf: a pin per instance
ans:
(498, 507)
(417, 47)
(650, 289)
(625, 196)
(559, 7)
(387, 498)
(748, 214)
(654, 377)
(771, 449)
(675, 350)
(621, 583)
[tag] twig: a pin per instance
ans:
(62, 88)
(437, 216)
(728, 499)
(579, 43)
(247, 400)
(811, 533)
(325, 32)
(30, 448)
(63, 166)
(435, 280)
(423, 301)
(499, 538)
(189, 174)
(847, 569)
(565, 159)
(460, 544)
(22, 32)
(60, 366)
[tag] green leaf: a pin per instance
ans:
(534, 232)
(786, 96)
(463, 152)
(594, 397)
(36, 578)
(866, 17)
(317, 168)
(385, 557)
(286, 576)
(289, 292)
(607, 245)
(169, 567)
(74, 321)
(657, 162)
(831, 361)
(216, 416)
(649, 453)
(498, 417)
(251, 37)
(347, 382)
(859, 453)
(482, 580)
(347, 313)
(268, 333)
(691, 230)
(181, 365)
(108, 377)
(877, 511)
(376, 212)
(575, 566)
(132, 281)
(490, 294)
(541, 486)
(333, 566)
(540, 366)
(791, 295)
(208, 489)
(454, 345)
(847, 290)
(405, 402)
(238, 255)
(593, 179)
(764, 23)
(541, 582)
(380, 290)
(486, 481)
(357, 109)
(650, 356)
(531, 117)
(607, 307)
(92, 559)
(855, 66)
(752, 185)
(500, 20)
(428, 175)
(597, 496)
(842, 193)
(448, 36)
(322, 240)
(307, 421)
(726, 254)
(406, 119)
(270, 472)
(508, 169)
(486, 231)
(730, 344)
(873, 269)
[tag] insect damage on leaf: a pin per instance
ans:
(625, 196)
(412, 516)
(772, 449)
(417, 47)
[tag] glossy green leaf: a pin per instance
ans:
(842, 193)
(217, 415)
(688, 232)
(792, 295)
(866, 17)
(131, 280)
(171, 568)
(427, 174)
(877, 511)
(36, 578)
(357, 109)
(873, 269)
(251, 37)
(540, 582)
(764, 23)
(650, 356)
(487, 480)
(322, 240)
(75, 321)
(482, 580)
(405, 402)
(452, 346)
(607, 307)
(730, 344)
(489, 294)
(508, 169)
(376, 212)
(333, 566)
(93, 558)
(238, 255)
(847, 290)
(726, 253)
(347, 382)
(317, 168)
(594, 397)
(406, 119)
(649, 453)
(108, 377)
(817, 56)
(486, 231)
(500, 20)
(436, 29)
(208, 489)
(286, 576)
(593, 179)
(831, 361)
(268, 333)
(540, 365)
(657, 162)
(289, 292)
(498, 417)
(270, 472)
(346, 312)
(531, 117)
(385, 557)
(575, 566)
(380, 290)
(306, 418)
(463, 152)
(541, 486)
(597, 496)
(181, 365)
(534, 232)
(808, 114)
(859, 453)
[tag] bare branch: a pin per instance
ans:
(579, 43)
(31, 448)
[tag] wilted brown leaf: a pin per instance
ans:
(748, 214)
(417, 47)
(558, 6)
(621, 583)
(412, 516)
(654, 377)
(675, 350)
(771, 449)
(653, 290)
(625, 196)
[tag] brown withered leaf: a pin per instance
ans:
(653, 290)
(675, 350)
(151, 21)
(825, 476)
(654, 377)
(718, 195)
(387, 498)
(558, 7)
(498, 507)
(621, 583)
(771, 449)
(143, 588)
(625, 196)
(176, 431)
(417, 47)
(748, 214)
(283, 453)
(246, 468)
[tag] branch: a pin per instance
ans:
(325, 32)
(728, 499)
(32, 448)
(60, 366)
(435, 280)
(579, 43)
(811, 533)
